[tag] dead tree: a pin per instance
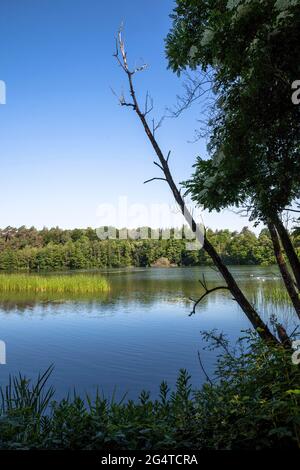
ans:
(163, 164)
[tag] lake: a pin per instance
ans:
(132, 338)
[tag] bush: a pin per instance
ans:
(251, 403)
(255, 402)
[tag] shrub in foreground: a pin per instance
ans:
(251, 403)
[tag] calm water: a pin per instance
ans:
(134, 337)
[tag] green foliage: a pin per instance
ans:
(277, 296)
(55, 250)
(19, 394)
(242, 247)
(253, 402)
(263, 250)
(251, 406)
(245, 47)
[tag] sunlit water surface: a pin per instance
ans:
(134, 337)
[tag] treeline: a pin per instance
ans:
(56, 249)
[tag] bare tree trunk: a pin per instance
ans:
(288, 281)
(289, 249)
(261, 328)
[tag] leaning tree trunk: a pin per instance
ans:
(258, 324)
(289, 249)
(287, 278)
(238, 295)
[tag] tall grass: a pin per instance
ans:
(276, 295)
(77, 284)
(20, 394)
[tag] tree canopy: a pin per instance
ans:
(250, 49)
(57, 249)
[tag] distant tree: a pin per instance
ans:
(31, 249)
(263, 251)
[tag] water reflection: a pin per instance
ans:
(134, 336)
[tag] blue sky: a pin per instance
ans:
(66, 145)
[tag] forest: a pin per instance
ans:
(29, 249)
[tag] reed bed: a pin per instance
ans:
(59, 284)
(276, 295)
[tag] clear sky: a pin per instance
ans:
(66, 146)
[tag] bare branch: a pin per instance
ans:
(195, 87)
(214, 269)
(126, 103)
(141, 68)
(206, 293)
(148, 108)
(203, 282)
(204, 370)
(159, 166)
(291, 210)
(154, 179)
(155, 127)
(122, 100)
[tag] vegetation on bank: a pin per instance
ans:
(253, 402)
(77, 284)
(277, 295)
(57, 249)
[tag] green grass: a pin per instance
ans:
(277, 295)
(76, 284)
